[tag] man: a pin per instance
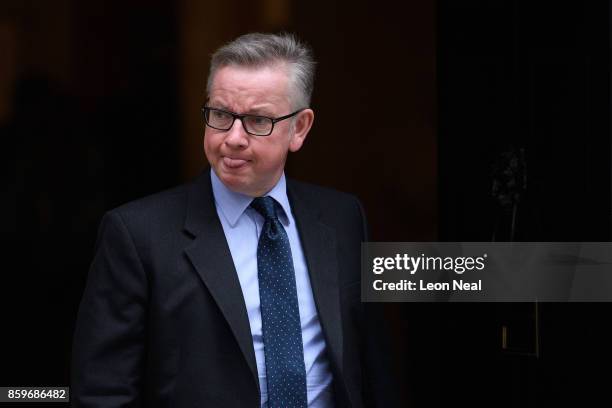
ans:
(242, 288)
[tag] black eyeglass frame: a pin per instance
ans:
(235, 116)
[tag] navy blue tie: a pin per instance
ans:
(281, 328)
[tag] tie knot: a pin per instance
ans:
(265, 207)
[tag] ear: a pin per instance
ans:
(303, 123)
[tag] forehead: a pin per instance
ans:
(241, 88)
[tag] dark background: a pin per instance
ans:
(418, 106)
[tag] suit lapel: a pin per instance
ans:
(211, 257)
(319, 245)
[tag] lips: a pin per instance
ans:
(234, 163)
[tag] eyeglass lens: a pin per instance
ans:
(253, 124)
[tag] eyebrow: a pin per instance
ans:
(217, 105)
(255, 111)
(261, 112)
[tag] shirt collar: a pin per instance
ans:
(233, 204)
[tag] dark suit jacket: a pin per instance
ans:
(163, 323)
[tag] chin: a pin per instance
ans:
(234, 182)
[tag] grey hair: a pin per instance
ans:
(261, 50)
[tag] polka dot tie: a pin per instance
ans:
(281, 329)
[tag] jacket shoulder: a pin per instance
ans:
(164, 202)
(158, 214)
(321, 194)
(334, 206)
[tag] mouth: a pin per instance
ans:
(234, 163)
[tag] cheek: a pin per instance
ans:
(211, 143)
(270, 156)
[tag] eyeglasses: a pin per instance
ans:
(253, 124)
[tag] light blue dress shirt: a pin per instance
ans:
(242, 226)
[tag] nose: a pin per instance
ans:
(237, 137)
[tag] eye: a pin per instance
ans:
(218, 114)
(258, 120)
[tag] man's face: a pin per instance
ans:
(245, 163)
